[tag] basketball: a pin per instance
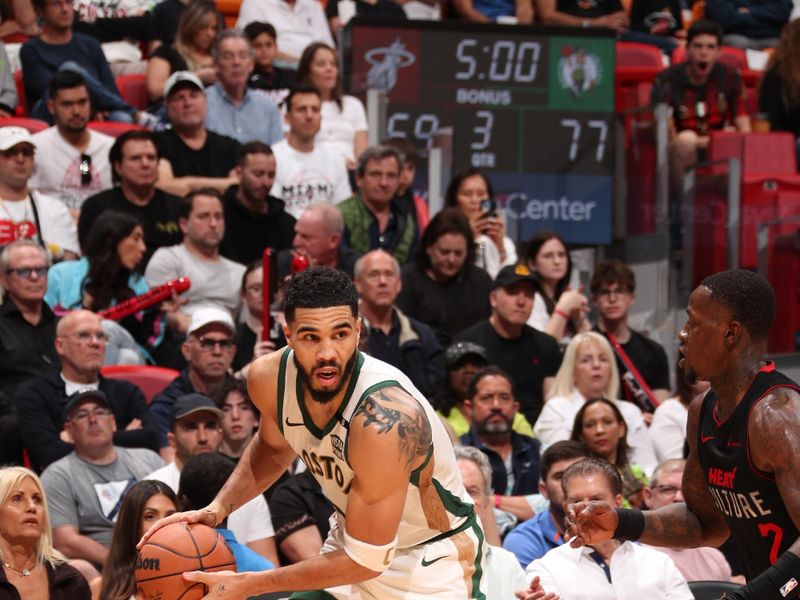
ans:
(174, 550)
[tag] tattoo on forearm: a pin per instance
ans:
(413, 429)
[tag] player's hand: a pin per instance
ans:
(223, 585)
(590, 523)
(204, 516)
(535, 592)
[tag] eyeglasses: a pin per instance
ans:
(24, 149)
(84, 337)
(27, 272)
(97, 413)
(667, 490)
(85, 168)
(208, 344)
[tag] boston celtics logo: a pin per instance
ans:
(579, 70)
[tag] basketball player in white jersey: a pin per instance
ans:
(405, 526)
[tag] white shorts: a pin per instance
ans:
(452, 568)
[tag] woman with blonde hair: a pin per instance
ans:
(32, 568)
(588, 371)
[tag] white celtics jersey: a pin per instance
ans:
(436, 502)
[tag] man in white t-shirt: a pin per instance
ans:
(24, 215)
(306, 174)
(196, 428)
(298, 23)
(71, 160)
(215, 279)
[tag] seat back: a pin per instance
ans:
(772, 153)
(22, 107)
(113, 128)
(711, 590)
(32, 125)
(634, 54)
(151, 380)
(133, 89)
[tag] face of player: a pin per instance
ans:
(131, 249)
(379, 183)
(493, 406)
(240, 419)
(702, 338)
(210, 363)
(601, 431)
(234, 63)
(378, 283)
(667, 490)
(257, 176)
(551, 261)
(30, 289)
(324, 70)
(473, 482)
(139, 164)
(82, 343)
(592, 371)
(186, 107)
(447, 255)
(701, 54)
(513, 303)
(585, 488)
(195, 434)
(264, 50)
(303, 116)
(205, 226)
(16, 165)
(157, 507)
(70, 109)
(472, 191)
(22, 514)
(324, 342)
(254, 291)
(613, 301)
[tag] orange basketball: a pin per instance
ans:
(174, 550)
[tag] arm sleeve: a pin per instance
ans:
(61, 504)
(552, 427)
(40, 435)
(275, 123)
(357, 113)
(642, 451)
(35, 74)
(136, 408)
(319, 25)
(62, 226)
(163, 266)
(545, 577)
(161, 411)
(8, 88)
(775, 12)
(667, 433)
(342, 189)
(248, 12)
(675, 586)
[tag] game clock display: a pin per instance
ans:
(532, 106)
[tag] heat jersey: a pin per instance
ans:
(761, 527)
(436, 501)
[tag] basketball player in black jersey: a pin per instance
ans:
(742, 477)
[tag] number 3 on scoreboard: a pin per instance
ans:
(767, 529)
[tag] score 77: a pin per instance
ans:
(575, 124)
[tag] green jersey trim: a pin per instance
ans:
(282, 385)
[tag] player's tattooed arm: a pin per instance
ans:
(391, 410)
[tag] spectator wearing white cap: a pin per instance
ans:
(209, 352)
(215, 279)
(25, 215)
(193, 157)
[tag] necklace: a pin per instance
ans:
(23, 572)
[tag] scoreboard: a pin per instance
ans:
(532, 106)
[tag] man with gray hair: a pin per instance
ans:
(374, 218)
(233, 108)
(393, 337)
(318, 237)
(504, 574)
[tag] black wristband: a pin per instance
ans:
(630, 524)
(779, 582)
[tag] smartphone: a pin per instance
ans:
(489, 207)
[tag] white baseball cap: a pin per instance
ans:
(210, 314)
(179, 77)
(11, 136)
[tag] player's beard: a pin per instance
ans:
(325, 396)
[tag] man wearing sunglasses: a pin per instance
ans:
(23, 214)
(209, 351)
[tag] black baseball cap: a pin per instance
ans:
(461, 350)
(192, 403)
(513, 274)
(82, 396)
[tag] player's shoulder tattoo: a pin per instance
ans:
(392, 409)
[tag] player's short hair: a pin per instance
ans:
(490, 371)
(609, 272)
(319, 287)
(202, 477)
(592, 466)
(563, 450)
(748, 296)
(705, 27)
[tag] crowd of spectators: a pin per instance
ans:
(546, 390)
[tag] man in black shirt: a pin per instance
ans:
(134, 161)
(530, 357)
(613, 288)
(253, 218)
(193, 157)
(27, 333)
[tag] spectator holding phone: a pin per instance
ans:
(470, 191)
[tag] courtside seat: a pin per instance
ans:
(133, 89)
(113, 128)
(711, 590)
(32, 125)
(636, 63)
(151, 380)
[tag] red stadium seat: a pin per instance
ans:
(113, 128)
(637, 62)
(151, 380)
(32, 125)
(784, 275)
(133, 89)
(21, 109)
